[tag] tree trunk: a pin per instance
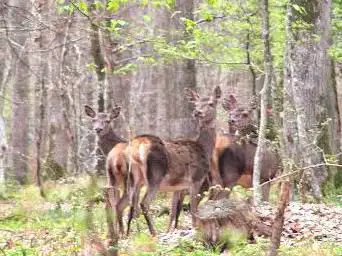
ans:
(306, 89)
(3, 152)
(5, 74)
(21, 88)
(98, 58)
(157, 102)
(261, 149)
(100, 65)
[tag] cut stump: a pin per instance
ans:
(216, 218)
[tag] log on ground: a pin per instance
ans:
(216, 218)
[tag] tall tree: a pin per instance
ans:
(306, 80)
(19, 40)
(269, 75)
(158, 106)
(3, 149)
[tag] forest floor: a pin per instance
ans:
(57, 225)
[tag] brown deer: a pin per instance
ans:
(176, 165)
(241, 120)
(233, 155)
(106, 136)
(236, 161)
(135, 156)
(112, 146)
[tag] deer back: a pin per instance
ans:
(188, 163)
(147, 154)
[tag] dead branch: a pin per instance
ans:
(278, 223)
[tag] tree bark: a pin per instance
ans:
(306, 87)
(3, 153)
(268, 66)
(157, 102)
(21, 88)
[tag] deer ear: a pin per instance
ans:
(115, 112)
(229, 103)
(89, 111)
(217, 92)
(191, 95)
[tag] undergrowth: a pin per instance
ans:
(31, 225)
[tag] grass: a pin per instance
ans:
(57, 225)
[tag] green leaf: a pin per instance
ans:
(83, 7)
(212, 2)
(113, 6)
(147, 18)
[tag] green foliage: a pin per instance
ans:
(218, 34)
(336, 49)
(115, 5)
(56, 226)
(83, 7)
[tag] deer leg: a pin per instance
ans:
(120, 207)
(135, 193)
(179, 207)
(176, 207)
(194, 190)
(145, 205)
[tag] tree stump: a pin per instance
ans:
(216, 218)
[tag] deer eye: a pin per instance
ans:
(211, 104)
(107, 121)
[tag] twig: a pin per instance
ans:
(7, 230)
(212, 19)
(299, 170)
(221, 63)
(3, 250)
(123, 47)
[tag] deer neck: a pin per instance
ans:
(207, 137)
(108, 141)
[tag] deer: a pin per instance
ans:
(233, 155)
(114, 148)
(236, 160)
(106, 136)
(174, 165)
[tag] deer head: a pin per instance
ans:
(102, 121)
(240, 118)
(205, 107)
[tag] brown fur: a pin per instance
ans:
(187, 164)
(236, 162)
(233, 159)
(113, 148)
(118, 161)
(106, 136)
(116, 165)
(221, 143)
